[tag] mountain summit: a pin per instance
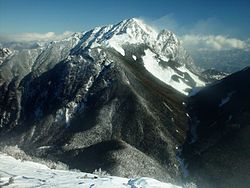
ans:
(132, 31)
(163, 56)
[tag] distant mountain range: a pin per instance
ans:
(228, 61)
(124, 98)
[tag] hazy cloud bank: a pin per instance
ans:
(30, 37)
(212, 42)
(205, 34)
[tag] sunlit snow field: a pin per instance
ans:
(17, 173)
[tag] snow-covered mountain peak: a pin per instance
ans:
(131, 31)
(163, 59)
(134, 27)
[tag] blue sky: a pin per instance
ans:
(217, 17)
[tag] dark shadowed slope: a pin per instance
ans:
(220, 157)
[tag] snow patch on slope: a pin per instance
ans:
(134, 57)
(114, 44)
(151, 63)
(197, 80)
(226, 99)
(17, 173)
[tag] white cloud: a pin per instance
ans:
(248, 43)
(205, 26)
(211, 42)
(165, 22)
(41, 37)
(208, 26)
(205, 34)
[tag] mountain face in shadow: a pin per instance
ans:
(217, 150)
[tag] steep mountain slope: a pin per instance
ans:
(111, 98)
(219, 154)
